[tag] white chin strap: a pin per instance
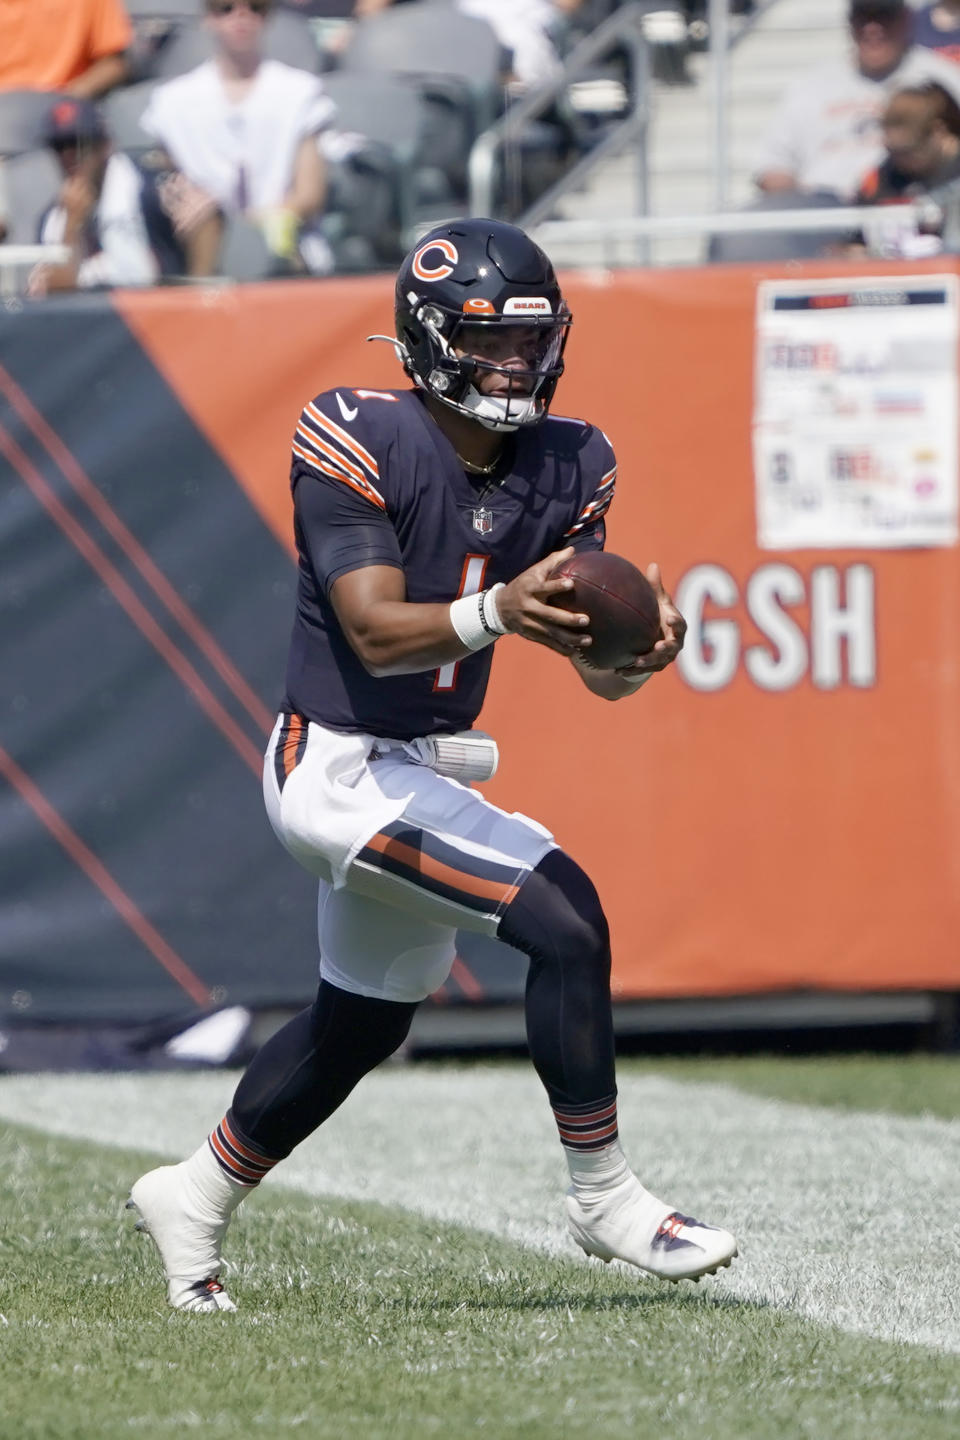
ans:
(497, 413)
(491, 411)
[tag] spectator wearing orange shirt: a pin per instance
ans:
(77, 46)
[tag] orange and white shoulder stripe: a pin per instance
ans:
(323, 444)
(599, 505)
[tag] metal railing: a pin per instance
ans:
(17, 257)
(724, 38)
(620, 31)
(636, 230)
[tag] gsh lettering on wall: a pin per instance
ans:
(836, 646)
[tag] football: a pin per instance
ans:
(621, 603)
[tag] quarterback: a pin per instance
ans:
(428, 520)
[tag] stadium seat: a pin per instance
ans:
(378, 107)
(381, 121)
(287, 37)
(770, 245)
(32, 182)
(455, 64)
(244, 254)
(122, 110)
(162, 9)
(362, 221)
(23, 114)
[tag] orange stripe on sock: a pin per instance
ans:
(593, 1117)
(579, 1137)
(245, 1150)
(232, 1163)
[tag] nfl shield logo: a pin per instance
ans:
(483, 521)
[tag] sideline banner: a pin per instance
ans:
(855, 412)
(780, 811)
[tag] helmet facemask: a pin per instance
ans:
(437, 334)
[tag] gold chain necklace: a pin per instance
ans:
(479, 469)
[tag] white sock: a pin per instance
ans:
(595, 1173)
(213, 1191)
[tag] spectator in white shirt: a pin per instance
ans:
(527, 30)
(110, 213)
(245, 131)
(826, 134)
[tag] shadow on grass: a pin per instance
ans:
(520, 1295)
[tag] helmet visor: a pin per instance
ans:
(528, 350)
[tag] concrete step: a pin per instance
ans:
(693, 194)
(799, 47)
(697, 159)
(751, 102)
(795, 14)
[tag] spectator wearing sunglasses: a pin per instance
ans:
(921, 136)
(77, 46)
(244, 129)
(826, 134)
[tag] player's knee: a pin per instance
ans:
(558, 918)
(583, 936)
(372, 1029)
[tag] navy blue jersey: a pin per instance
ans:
(376, 482)
(925, 33)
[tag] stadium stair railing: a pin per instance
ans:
(623, 31)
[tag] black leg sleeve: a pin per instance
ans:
(557, 920)
(308, 1068)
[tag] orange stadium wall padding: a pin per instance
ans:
(750, 826)
(780, 811)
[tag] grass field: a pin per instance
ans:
(367, 1312)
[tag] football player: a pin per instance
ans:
(428, 521)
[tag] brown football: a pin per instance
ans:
(621, 603)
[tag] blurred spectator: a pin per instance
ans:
(921, 134)
(333, 21)
(527, 30)
(110, 212)
(826, 133)
(327, 9)
(73, 45)
(937, 27)
(921, 137)
(244, 130)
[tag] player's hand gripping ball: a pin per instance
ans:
(621, 602)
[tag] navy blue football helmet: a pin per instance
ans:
(460, 280)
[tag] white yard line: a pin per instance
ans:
(850, 1219)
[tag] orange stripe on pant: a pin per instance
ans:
(492, 890)
(291, 744)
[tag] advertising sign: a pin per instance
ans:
(855, 412)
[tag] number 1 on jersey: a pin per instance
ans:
(471, 583)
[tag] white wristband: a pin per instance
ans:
(466, 617)
(490, 616)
